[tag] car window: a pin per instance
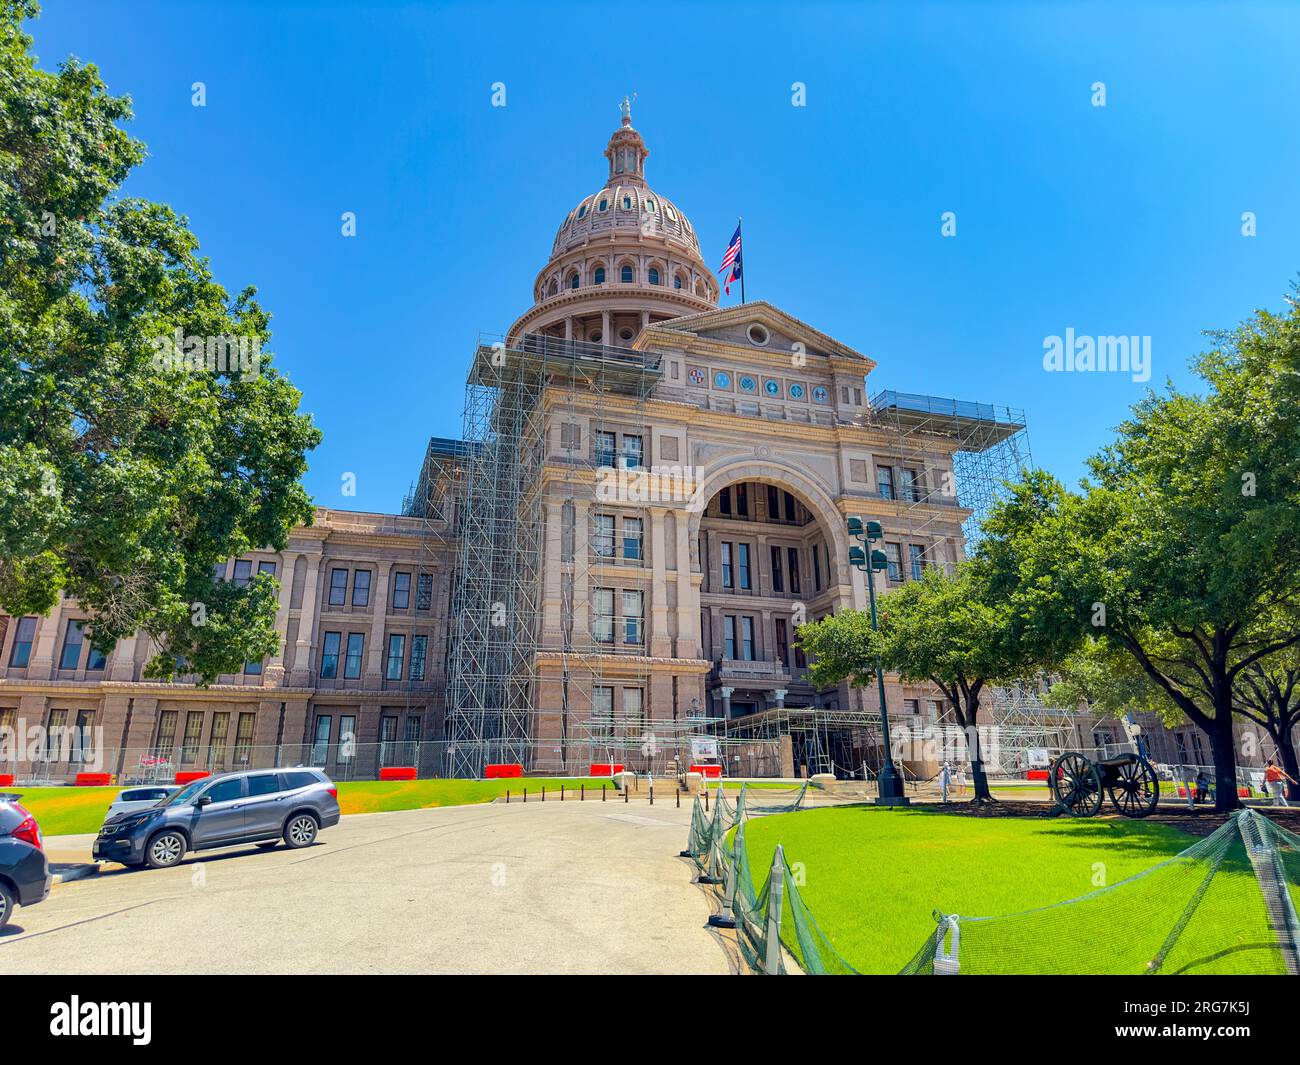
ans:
(134, 796)
(225, 790)
(293, 781)
(186, 795)
(264, 784)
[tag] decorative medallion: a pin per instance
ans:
(696, 375)
(772, 387)
(796, 391)
(820, 395)
(748, 384)
(721, 380)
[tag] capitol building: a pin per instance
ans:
(607, 566)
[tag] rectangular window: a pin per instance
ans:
(244, 739)
(424, 591)
(361, 588)
(218, 571)
(83, 744)
(885, 481)
(419, 649)
(193, 734)
(916, 557)
(602, 711)
(72, 641)
(602, 615)
(24, 634)
(166, 739)
(800, 659)
(243, 572)
(338, 587)
(817, 569)
(387, 737)
(782, 642)
(633, 718)
(401, 590)
(602, 535)
(747, 639)
(742, 565)
(396, 655)
(728, 578)
(352, 663)
(266, 567)
(792, 557)
(633, 611)
(742, 500)
(606, 446)
(320, 746)
(778, 584)
(96, 659)
(347, 738)
(773, 505)
(633, 451)
(329, 654)
(217, 740)
(791, 513)
(907, 485)
(55, 740)
(729, 636)
(412, 733)
(253, 669)
(894, 554)
(632, 537)
(724, 501)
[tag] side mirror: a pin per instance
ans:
(204, 800)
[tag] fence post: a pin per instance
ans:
(775, 902)
(652, 789)
(507, 796)
(582, 792)
(727, 918)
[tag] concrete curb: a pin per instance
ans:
(66, 872)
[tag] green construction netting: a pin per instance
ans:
(1227, 904)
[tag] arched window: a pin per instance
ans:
(604, 205)
(649, 205)
(600, 275)
(625, 274)
(677, 281)
(573, 279)
(654, 275)
(627, 203)
(582, 211)
(553, 288)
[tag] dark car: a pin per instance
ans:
(24, 870)
(263, 807)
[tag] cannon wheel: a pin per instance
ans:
(1076, 785)
(1134, 788)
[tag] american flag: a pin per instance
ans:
(732, 259)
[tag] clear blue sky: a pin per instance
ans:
(1117, 220)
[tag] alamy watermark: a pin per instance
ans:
(225, 353)
(1098, 354)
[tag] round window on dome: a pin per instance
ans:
(758, 335)
(626, 334)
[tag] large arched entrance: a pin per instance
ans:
(772, 555)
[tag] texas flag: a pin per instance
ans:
(732, 260)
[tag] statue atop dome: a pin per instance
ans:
(626, 108)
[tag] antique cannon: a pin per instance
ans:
(1128, 778)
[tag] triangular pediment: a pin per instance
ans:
(732, 326)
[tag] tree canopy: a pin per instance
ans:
(144, 434)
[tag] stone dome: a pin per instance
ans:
(623, 257)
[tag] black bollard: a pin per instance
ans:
(507, 796)
(582, 793)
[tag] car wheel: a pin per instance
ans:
(268, 844)
(6, 905)
(165, 850)
(301, 831)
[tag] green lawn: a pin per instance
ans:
(67, 811)
(873, 878)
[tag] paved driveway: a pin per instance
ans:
(537, 888)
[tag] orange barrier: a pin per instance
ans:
(605, 769)
(188, 776)
(397, 772)
(6, 780)
(93, 780)
(503, 769)
(709, 772)
(1036, 774)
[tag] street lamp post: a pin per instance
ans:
(890, 782)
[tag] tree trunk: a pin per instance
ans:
(1224, 746)
(978, 777)
(1286, 753)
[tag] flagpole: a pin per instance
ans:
(740, 225)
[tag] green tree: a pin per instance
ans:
(1268, 693)
(947, 629)
(127, 473)
(1183, 548)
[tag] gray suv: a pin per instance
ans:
(262, 807)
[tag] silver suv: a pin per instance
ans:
(262, 807)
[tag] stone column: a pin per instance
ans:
(552, 606)
(779, 695)
(688, 600)
(725, 694)
(304, 657)
(581, 584)
(273, 675)
(121, 664)
(41, 666)
(568, 327)
(660, 642)
(604, 327)
(375, 659)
